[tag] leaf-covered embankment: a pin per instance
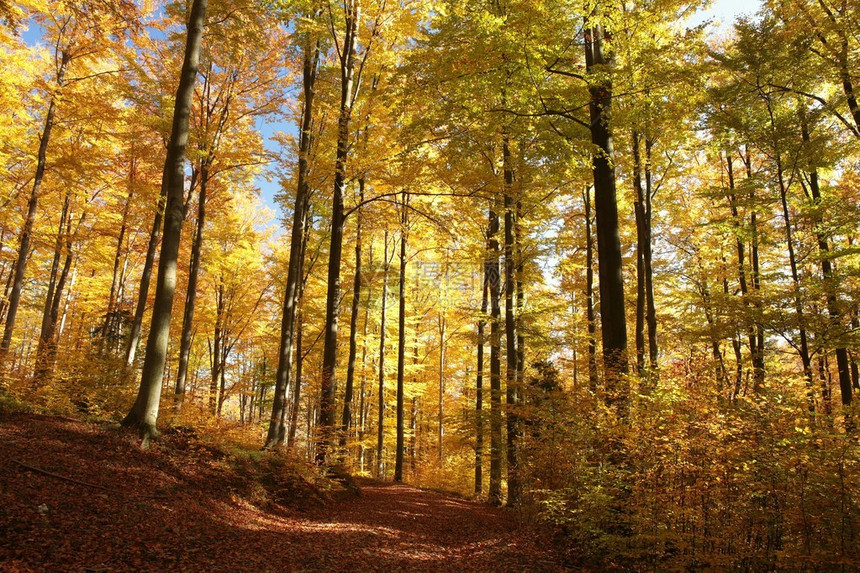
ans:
(82, 496)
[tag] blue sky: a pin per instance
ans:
(724, 12)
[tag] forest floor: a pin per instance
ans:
(81, 496)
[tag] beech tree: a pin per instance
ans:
(144, 414)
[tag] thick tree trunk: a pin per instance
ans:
(30, 218)
(328, 387)
(613, 320)
(191, 294)
(275, 434)
(144, 412)
(401, 341)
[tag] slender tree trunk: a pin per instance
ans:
(328, 388)
(612, 312)
(479, 390)
(742, 277)
(116, 280)
(275, 435)
(30, 217)
(795, 276)
(46, 334)
(46, 353)
(297, 386)
(443, 325)
(222, 370)
(716, 352)
(217, 345)
(648, 267)
(353, 330)
(145, 279)
(827, 277)
(589, 295)
(144, 413)
(847, 83)
(364, 405)
(758, 354)
(493, 273)
(65, 312)
(299, 355)
(380, 427)
(511, 355)
(191, 294)
(401, 341)
(639, 211)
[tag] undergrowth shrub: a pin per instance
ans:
(691, 480)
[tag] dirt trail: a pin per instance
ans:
(122, 509)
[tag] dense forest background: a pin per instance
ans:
(587, 259)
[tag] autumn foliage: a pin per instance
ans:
(594, 261)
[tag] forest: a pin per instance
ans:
(594, 261)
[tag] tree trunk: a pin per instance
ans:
(443, 325)
(401, 342)
(380, 427)
(639, 211)
(512, 368)
(353, 330)
(144, 413)
(842, 364)
(589, 295)
(613, 321)
(803, 350)
(191, 294)
(297, 386)
(275, 434)
(217, 345)
(758, 355)
(493, 273)
(327, 390)
(364, 404)
(110, 318)
(46, 334)
(145, 279)
(46, 353)
(30, 218)
(479, 391)
(648, 266)
(742, 277)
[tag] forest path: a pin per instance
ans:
(394, 527)
(77, 496)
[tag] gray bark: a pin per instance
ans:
(144, 412)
